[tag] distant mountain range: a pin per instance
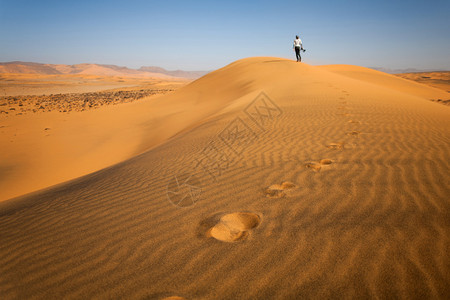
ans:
(176, 73)
(95, 69)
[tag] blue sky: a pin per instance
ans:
(205, 35)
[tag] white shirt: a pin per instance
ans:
(298, 43)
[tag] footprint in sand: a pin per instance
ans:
(313, 166)
(326, 161)
(353, 133)
(335, 146)
(234, 227)
(279, 190)
(318, 166)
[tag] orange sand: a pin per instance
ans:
(334, 184)
(440, 79)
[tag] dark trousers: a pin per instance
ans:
(297, 54)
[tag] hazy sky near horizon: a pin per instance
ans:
(205, 35)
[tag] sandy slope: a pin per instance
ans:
(341, 191)
(43, 149)
(383, 80)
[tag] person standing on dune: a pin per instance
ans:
(297, 47)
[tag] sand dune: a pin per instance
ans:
(440, 80)
(383, 80)
(45, 140)
(266, 179)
